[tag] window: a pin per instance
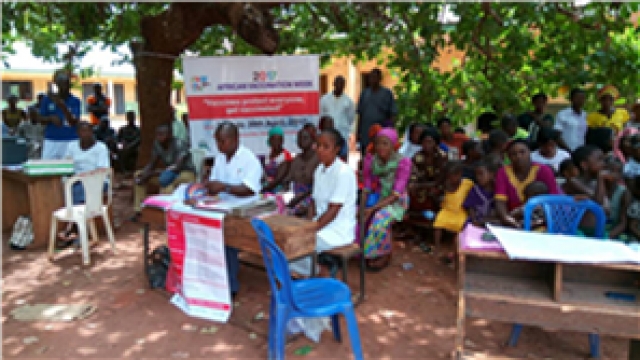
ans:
(22, 89)
(118, 98)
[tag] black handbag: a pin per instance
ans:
(158, 266)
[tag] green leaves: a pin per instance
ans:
(511, 50)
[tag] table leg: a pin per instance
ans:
(634, 349)
(145, 250)
(460, 321)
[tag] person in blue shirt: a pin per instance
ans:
(60, 111)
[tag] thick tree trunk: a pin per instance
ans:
(154, 76)
(168, 34)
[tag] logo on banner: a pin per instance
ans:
(198, 83)
(262, 76)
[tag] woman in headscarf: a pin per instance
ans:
(608, 116)
(389, 172)
(278, 154)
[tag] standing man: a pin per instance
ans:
(179, 129)
(128, 143)
(339, 107)
(534, 120)
(376, 106)
(572, 122)
(98, 105)
(235, 177)
(60, 111)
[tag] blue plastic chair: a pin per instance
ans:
(563, 215)
(302, 298)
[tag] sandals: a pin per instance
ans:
(378, 264)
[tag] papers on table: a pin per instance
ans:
(526, 245)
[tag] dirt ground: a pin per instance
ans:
(408, 314)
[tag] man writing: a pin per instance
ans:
(376, 106)
(174, 156)
(235, 177)
(339, 107)
(98, 104)
(60, 111)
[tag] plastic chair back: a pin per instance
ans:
(563, 214)
(198, 156)
(93, 184)
(275, 263)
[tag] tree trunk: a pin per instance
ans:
(168, 34)
(153, 75)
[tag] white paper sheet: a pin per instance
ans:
(527, 245)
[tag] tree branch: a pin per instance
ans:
(575, 17)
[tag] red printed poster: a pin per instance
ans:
(198, 272)
(254, 92)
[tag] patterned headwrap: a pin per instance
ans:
(609, 90)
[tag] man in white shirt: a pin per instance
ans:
(235, 177)
(572, 122)
(340, 107)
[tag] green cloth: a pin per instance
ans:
(521, 134)
(386, 173)
(276, 130)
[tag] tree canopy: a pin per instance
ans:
(511, 50)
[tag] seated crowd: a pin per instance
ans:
(443, 175)
(452, 180)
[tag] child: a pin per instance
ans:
(632, 167)
(619, 199)
(300, 175)
(326, 123)
(532, 190)
(590, 183)
(427, 167)
(480, 203)
(496, 144)
(452, 215)
(569, 171)
(472, 152)
(278, 159)
(633, 211)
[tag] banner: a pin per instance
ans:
(198, 272)
(254, 92)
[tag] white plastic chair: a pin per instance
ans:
(198, 156)
(93, 183)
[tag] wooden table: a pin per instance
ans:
(34, 196)
(289, 233)
(556, 296)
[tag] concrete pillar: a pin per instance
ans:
(112, 95)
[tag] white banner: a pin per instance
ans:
(198, 271)
(254, 92)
